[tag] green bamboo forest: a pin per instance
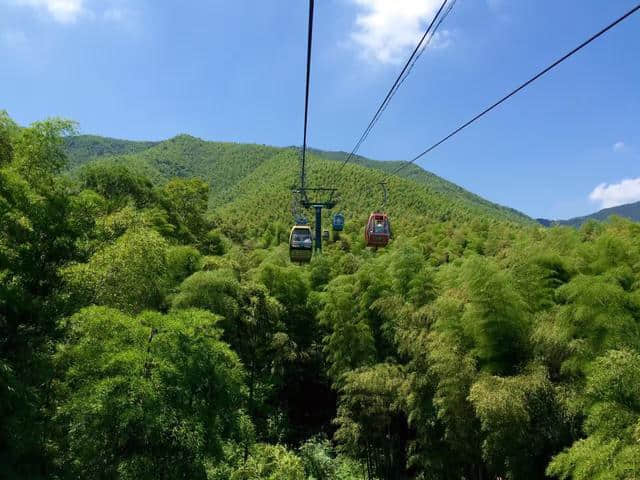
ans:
(152, 325)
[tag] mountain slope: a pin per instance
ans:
(83, 148)
(418, 174)
(222, 164)
(251, 184)
(629, 210)
(263, 198)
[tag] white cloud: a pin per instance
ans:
(611, 195)
(386, 29)
(619, 147)
(70, 11)
(62, 11)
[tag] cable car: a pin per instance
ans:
(338, 222)
(300, 244)
(325, 235)
(378, 230)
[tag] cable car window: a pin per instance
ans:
(380, 227)
(301, 238)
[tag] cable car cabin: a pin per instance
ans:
(326, 235)
(300, 244)
(378, 230)
(338, 222)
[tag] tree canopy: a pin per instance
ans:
(152, 326)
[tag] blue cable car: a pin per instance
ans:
(338, 222)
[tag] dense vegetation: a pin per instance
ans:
(225, 165)
(83, 148)
(629, 210)
(152, 327)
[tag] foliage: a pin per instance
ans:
(117, 183)
(371, 425)
(322, 463)
(612, 446)
(250, 184)
(163, 391)
(36, 239)
(186, 203)
(130, 274)
(182, 262)
(270, 462)
(214, 243)
(90, 147)
(152, 326)
(629, 210)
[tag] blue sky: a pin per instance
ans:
(234, 71)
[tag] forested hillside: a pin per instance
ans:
(225, 165)
(222, 164)
(83, 148)
(629, 210)
(153, 327)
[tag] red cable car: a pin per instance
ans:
(378, 230)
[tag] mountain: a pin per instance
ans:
(415, 172)
(545, 222)
(83, 148)
(251, 184)
(629, 210)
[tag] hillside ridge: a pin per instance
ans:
(226, 165)
(630, 211)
